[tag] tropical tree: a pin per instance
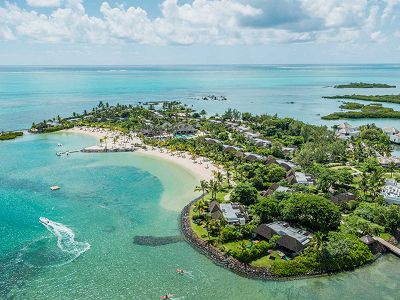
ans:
(244, 193)
(218, 177)
(202, 187)
(392, 167)
(213, 188)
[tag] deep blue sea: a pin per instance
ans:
(105, 200)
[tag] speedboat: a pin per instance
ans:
(44, 220)
(54, 187)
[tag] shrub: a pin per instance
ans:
(229, 234)
(244, 193)
(312, 211)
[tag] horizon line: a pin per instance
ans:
(211, 64)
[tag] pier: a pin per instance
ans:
(67, 152)
(392, 248)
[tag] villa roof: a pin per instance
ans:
(346, 125)
(253, 156)
(214, 206)
(234, 213)
(343, 197)
(231, 148)
(391, 130)
(292, 238)
(286, 164)
(270, 160)
(367, 239)
(212, 141)
(275, 188)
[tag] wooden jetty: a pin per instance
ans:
(392, 248)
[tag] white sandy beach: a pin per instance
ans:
(200, 168)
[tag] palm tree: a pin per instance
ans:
(200, 206)
(218, 177)
(202, 187)
(214, 187)
(228, 177)
(392, 167)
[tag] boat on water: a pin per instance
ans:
(166, 297)
(54, 187)
(59, 145)
(44, 220)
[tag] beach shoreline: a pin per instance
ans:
(199, 169)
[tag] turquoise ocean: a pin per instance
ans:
(105, 200)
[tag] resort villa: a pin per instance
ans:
(299, 178)
(229, 148)
(391, 192)
(183, 129)
(253, 156)
(292, 239)
(275, 188)
(345, 131)
(262, 143)
(232, 213)
(212, 141)
(393, 134)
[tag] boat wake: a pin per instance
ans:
(44, 252)
(65, 238)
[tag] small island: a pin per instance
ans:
(287, 199)
(351, 105)
(373, 98)
(363, 85)
(371, 111)
(10, 135)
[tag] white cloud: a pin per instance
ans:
(224, 22)
(44, 3)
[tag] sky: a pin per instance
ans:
(168, 32)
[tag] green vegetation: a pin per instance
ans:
(309, 210)
(351, 105)
(244, 193)
(367, 111)
(363, 85)
(10, 135)
(373, 98)
(336, 166)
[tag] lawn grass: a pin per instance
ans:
(265, 261)
(386, 236)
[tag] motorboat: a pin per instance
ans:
(54, 187)
(44, 220)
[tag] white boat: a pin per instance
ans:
(54, 187)
(44, 220)
(59, 145)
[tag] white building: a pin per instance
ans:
(393, 134)
(345, 131)
(391, 192)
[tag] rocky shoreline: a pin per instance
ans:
(217, 256)
(229, 262)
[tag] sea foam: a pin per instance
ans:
(66, 239)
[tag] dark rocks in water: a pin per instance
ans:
(290, 102)
(154, 241)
